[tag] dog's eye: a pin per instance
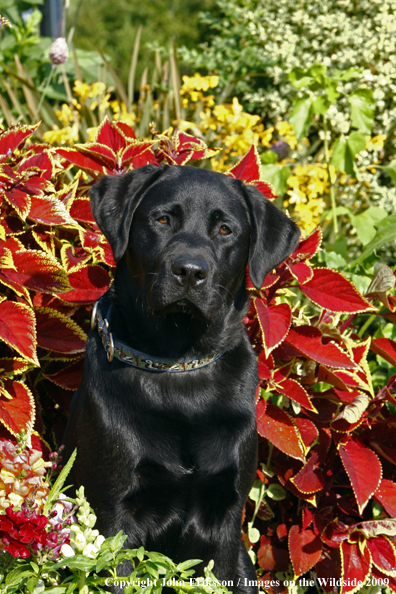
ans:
(224, 230)
(163, 220)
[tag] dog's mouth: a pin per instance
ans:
(184, 306)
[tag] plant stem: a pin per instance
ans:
(366, 325)
(47, 84)
(332, 193)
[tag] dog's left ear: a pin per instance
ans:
(114, 199)
(273, 236)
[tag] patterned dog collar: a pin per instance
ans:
(123, 352)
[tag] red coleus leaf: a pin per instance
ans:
(69, 377)
(112, 135)
(328, 570)
(308, 431)
(48, 210)
(83, 162)
(248, 169)
(355, 567)
(74, 257)
(271, 557)
(385, 347)
(81, 210)
(265, 188)
(307, 247)
(37, 271)
(385, 495)
(139, 154)
(180, 148)
(332, 291)
(274, 322)
(20, 200)
(310, 478)
(277, 426)
(356, 459)
(13, 366)
(380, 577)
(41, 162)
(308, 341)
(18, 329)
(13, 138)
(17, 410)
(383, 554)
(305, 549)
(293, 390)
(382, 439)
(56, 332)
(99, 153)
(302, 272)
(88, 284)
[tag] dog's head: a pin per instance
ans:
(187, 234)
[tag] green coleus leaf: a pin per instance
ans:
(362, 106)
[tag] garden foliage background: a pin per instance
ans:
(300, 103)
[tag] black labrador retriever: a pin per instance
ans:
(164, 419)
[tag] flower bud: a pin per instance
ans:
(59, 52)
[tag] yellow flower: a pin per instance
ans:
(308, 184)
(376, 143)
(286, 131)
(65, 114)
(82, 90)
(66, 135)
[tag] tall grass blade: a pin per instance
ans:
(119, 86)
(15, 101)
(132, 69)
(175, 82)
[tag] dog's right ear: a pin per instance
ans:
(114, 200)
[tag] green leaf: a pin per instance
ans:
(365, 222)
(317, 71)
(362, 106)
(187, 564)
(320, 105)
(386, 232)
(103, 559)
(277, 176)
(56, 590)
(76, 562)
(356, 142)
(60, 481)
(253, 534)
(116, 542)
(299, 78)
(390, 169)
(276, 492)
(338, 153)
(17, 575)
(301, 116)
(334, 260)
(344, 151)
(269, 157)
(256, 491)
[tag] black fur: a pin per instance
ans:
(170, 458)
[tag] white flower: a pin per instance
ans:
(67, 551)
(90, 551)
(99, 541)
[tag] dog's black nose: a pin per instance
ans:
(190, 271)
